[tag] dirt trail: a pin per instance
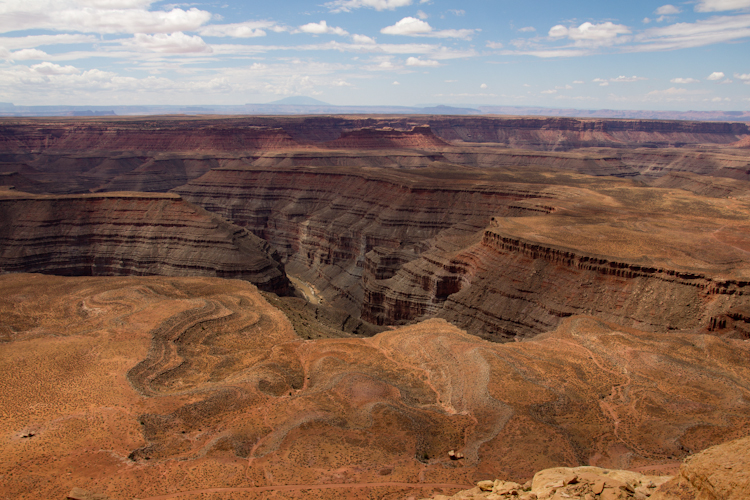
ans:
(297, 487)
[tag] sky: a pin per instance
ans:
(600, 54)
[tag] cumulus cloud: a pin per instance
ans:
(408, 26)
(588, 34)
(494, 45)
(602, 82)
(48, 68)
(349, 5)
(721, 5)
(25, 55)
(415, 61)
(322, 28)
(396, 83)
(363, 39)
(97, 17)
(250, 29)
(684, 80)
(483, 86)
(411, 26)
(173, 43)
(744, 77)
(716, 75)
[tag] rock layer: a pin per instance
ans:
(129, 234)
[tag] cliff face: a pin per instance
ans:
(326, 222)
(420, 137)
(399, 249)
(144, 134)
(129, 234)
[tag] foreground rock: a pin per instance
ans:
(575, 483)
(721, 472)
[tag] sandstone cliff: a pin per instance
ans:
(129, 234)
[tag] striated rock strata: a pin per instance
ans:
(325, 222)
(129, 234)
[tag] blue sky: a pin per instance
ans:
(584, 54)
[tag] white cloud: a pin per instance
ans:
(667, 10)
(457, 12)
(26, 55)
(341, 83)
(95, 17)
(408, 26)
(422, 15)
(578, 81)
(363, 39)
(721, 5)
(349, 5)
(173, 43)
(628, 79)
(717, 29)
(669, 91)
(48, 68)
(411, 26)
(716, 75)
(483, 86)
(527, 29)
(250, 29)
(494, 45)
(415, 61)
(602, 82)
(396, 83)
(549, 91)
(684, 80)
(322, 28)
(28, 42)
(588, 34)
(744, 77)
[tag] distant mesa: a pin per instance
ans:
(300, 100)
(88, 112)
(420, 137)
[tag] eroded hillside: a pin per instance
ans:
(146, 386)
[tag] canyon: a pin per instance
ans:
(530, 292)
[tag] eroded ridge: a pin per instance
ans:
(156, 388)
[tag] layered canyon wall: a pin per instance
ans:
(129, 234)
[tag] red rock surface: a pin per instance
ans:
(129, 234)
(145, 387)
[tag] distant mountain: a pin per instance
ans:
(300, 100)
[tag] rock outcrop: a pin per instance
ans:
(129, 234)
(575, 483)
(718, 473)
